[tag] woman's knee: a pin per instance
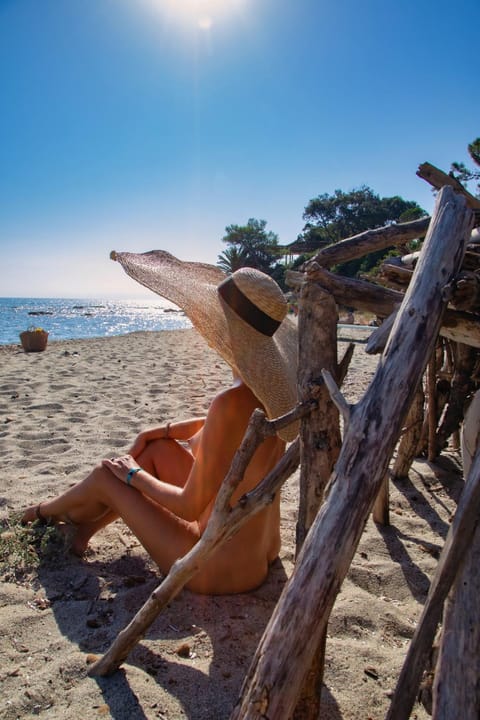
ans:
(168, 460)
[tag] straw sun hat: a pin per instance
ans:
(241, 316)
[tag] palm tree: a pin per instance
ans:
(232, 259)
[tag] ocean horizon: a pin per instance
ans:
(81, 318)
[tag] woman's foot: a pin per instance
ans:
(34, 514)
(77, 536)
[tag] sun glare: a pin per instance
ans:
(203, 14)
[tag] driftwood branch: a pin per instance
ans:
(285, 652)
(370, 241)
(410, 441)
(223, 523)
(343, 407)
(359, 294)
(451, 559)
(320, 442)
(457, 326)
(456, 689)
(320, 430)
(438, 179)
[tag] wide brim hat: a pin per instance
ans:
(261, 346)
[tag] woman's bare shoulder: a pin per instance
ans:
(239, 397)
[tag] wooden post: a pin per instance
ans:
(409, 444)
(456, 546)
(320, 433)
(381, 507)
(458, 326)
(461, 386)
(285, 653)
(432, 407)
(320, 443)
(456, 692)
(223, 523)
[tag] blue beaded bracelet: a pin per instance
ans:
(131, 473)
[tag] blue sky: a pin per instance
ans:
(142, 124)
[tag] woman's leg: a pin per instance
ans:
(91, 510)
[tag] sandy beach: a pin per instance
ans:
(79, 401)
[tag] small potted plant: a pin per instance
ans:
(34, 339)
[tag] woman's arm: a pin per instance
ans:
(182, 430)
(221, 436)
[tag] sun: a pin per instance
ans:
(202, 14)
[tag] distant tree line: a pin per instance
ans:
(328, 219)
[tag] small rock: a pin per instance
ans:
(183, 650)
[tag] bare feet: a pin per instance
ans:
(77, 536)
(33, 514)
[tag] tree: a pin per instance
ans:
(250, 245)
(232, 259)
(462, 173)
(331, 218)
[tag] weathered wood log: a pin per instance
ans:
(381, 506)
(223, 523)
(456, 690)
(360, 294)
(461, 327)
(466, 292)
(320, 434)
(285, 652)
(320, 442)
(462, 386)
(344, 363)
(432, 407)
(409, 444)
(438, 179)
(367, 297)
(393, 270)
(371, 241)
(452, 556)
(379, 336)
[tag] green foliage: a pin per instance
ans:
(250, 245)
(22, 549)
(331, 218)
(463, 174)
(232, 259)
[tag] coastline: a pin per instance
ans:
(61, 411)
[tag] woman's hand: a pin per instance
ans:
(140, 443)
(120, 466)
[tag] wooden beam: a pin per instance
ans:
(371, 241)
(286, 650)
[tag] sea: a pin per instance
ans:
(78, 318)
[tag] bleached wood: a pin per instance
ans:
(461, 387)
(320, 442)
(409, 443)
(320, 431)
(458, 540)
(365, 296)
(371, 241)
(381, 506)
(223, 523)
(432, 407)
(285, 652)
(456, 689)
(438, 179)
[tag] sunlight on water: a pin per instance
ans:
(66, 319)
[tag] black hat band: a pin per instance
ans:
(247, 310)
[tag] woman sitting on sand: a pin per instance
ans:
(165, 487)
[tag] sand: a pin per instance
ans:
(79, 401)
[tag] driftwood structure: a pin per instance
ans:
(429, 339)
